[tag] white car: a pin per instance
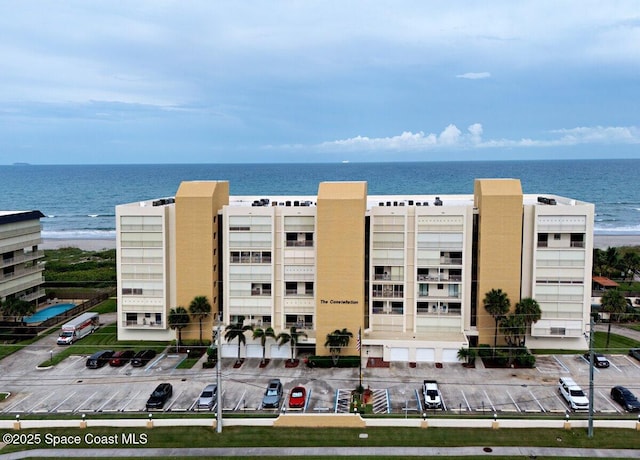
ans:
(207, 398)
(573, 394)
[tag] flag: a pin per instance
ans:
(358, 340)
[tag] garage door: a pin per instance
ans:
(283, 352)
(229, 350)
(254, 351)
(399, 354)
(425, 355)
(449, 355)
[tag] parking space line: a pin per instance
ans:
(130, 401)
(514, 402)
(420, 400)
(465, 400)
(72, 362)
(8, 409)
(595, 368)
(537, 402)
(41, 401)
(616, 367)
(85, 401)
(154, 362)
(606, 398)
(561, 364)
(55, 409)
(493, 408)
(107, 402)
(173, 402)
(237, 407)
(306, 403)
(633, 362)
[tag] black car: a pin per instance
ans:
(159, 396)
(599, 360)
(625, 398)
(99, 359)
(142, 358)
(635, 352)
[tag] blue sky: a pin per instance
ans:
(160, 81)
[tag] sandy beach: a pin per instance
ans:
(600, 242)
(84, 244)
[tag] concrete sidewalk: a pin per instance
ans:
(329, 452)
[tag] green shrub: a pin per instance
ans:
(526, 360)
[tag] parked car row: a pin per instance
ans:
(119, 358)
(273, 396)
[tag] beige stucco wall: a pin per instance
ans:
(499, 203)
(340, 234)
(197, 206)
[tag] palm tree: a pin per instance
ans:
(294, 337)
(200, 308)
(17, 309)
(530, 311)
(467, 354)
(497, 304)
(178, 320)
(237, 330)
(614, 303)
(336, 341)
(630, 264)
(513, 328)
(263, 335)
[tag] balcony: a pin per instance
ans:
(300, 244)
(136, 325)
(21, 258)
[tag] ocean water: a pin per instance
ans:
(79, 200)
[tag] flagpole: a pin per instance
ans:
(360, 350)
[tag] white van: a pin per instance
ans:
(574, 395)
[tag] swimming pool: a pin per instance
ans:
(49, 312)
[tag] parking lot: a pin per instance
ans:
(70, 387)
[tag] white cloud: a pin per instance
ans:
(474, 75)
(452, 137)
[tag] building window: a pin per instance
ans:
(158, 319)
(557, 331)
(378, 307)
(299, 239)
(131, 319)
(557, 236)
(299, 321)
(423, 308)
(577, 240)
(397, 308)
(261, 289)
(543, 239)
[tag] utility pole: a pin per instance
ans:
(218, 378)
(590, 430)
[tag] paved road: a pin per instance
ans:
(256, 452)
(620, 330)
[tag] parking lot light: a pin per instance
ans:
(18, 418)
(424, 416)
(495, 416)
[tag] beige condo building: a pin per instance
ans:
(410, 272)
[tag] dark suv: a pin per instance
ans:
(143, 357)
(625, 398)
(159, 396)
(99, 359)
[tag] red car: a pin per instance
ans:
(120, 358)
(297, 397)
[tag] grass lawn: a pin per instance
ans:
(102, 339)
(175, 437)
(618, 344)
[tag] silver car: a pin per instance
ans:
(207, 398)
(273, 394)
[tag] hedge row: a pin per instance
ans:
(327, 361)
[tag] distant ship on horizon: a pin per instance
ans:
(21, 163)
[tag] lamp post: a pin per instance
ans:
(51, 357)
(590, 429)
(218, 380)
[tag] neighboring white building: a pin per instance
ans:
(21, 268)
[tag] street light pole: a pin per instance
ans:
(590, 429)
(218, 379)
